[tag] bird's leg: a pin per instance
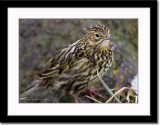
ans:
(75, 98)
(96, 90)
(91, 92)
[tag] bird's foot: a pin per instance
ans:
(94, 92)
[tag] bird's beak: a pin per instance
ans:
(109, 38)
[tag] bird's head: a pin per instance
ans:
(98, 35)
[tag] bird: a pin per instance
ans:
(74, 68)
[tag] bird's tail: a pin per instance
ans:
(29, 90)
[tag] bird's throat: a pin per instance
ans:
(104, 45)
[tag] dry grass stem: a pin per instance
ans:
(93, 99)
(136, 100)
(119, 92)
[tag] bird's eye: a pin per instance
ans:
(97, 35)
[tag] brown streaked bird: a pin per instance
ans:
(74, 68)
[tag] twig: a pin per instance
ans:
(93, 99)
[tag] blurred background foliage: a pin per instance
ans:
(40, 39)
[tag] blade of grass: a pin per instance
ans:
(108, 89)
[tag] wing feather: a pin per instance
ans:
(59, 62)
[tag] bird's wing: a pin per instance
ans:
(60, 62)
(76, 78)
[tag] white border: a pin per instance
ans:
(142, 108)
